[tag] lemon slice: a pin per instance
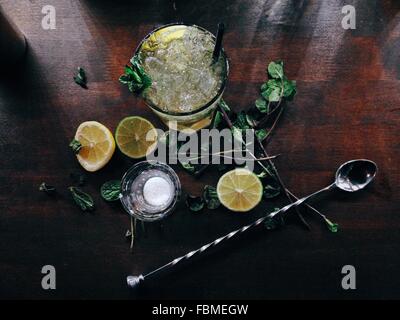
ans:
(163, 37)
(136, 137)
(98, 145)
(239, 190)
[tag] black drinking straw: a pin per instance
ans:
(218, 41)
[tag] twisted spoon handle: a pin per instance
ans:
(133, 281)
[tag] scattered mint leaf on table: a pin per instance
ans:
(44, 187)
(82, 199)
(188, 167)
(195, 204)
(210, 197)
(111, 190)
(81, 79)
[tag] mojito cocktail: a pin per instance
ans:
(186, 85)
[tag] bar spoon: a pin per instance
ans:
(351, 176)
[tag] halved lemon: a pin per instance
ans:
(239, 190)
(98, 145)
(136, 137)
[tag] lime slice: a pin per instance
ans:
(239, 190)
(136, 137)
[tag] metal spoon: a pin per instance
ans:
(351, 176)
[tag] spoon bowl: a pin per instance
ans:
(355, 175)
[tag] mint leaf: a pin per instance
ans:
(289, 88)
(275, 70)
(273, 83)
(111, 190)
(250, 119)
(210, 197)
(129, 71)
(224, 106)
(80, 82)
(241, 121)
(262, 105)
(44, 187)
(275, 95)
(135, 87)
(264, 86)
(80, 79)
(188, 167)
(271, 190)
(82, 199)
(261, 134)
(76, 146)
(263, 174)
(135, 77)
(82, 74)
(273, 91)
(124, 79)
(237, 134)
(194, 204)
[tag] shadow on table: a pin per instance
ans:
(125, 12)
(17, 86)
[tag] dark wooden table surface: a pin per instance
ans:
(348, 106)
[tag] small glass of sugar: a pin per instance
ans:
(150, 190)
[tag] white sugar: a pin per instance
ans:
(157, 191)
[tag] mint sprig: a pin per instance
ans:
(76, 146)
(135, 77)
(80, 78)
(276, 88)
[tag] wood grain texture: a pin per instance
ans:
(347, 107)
